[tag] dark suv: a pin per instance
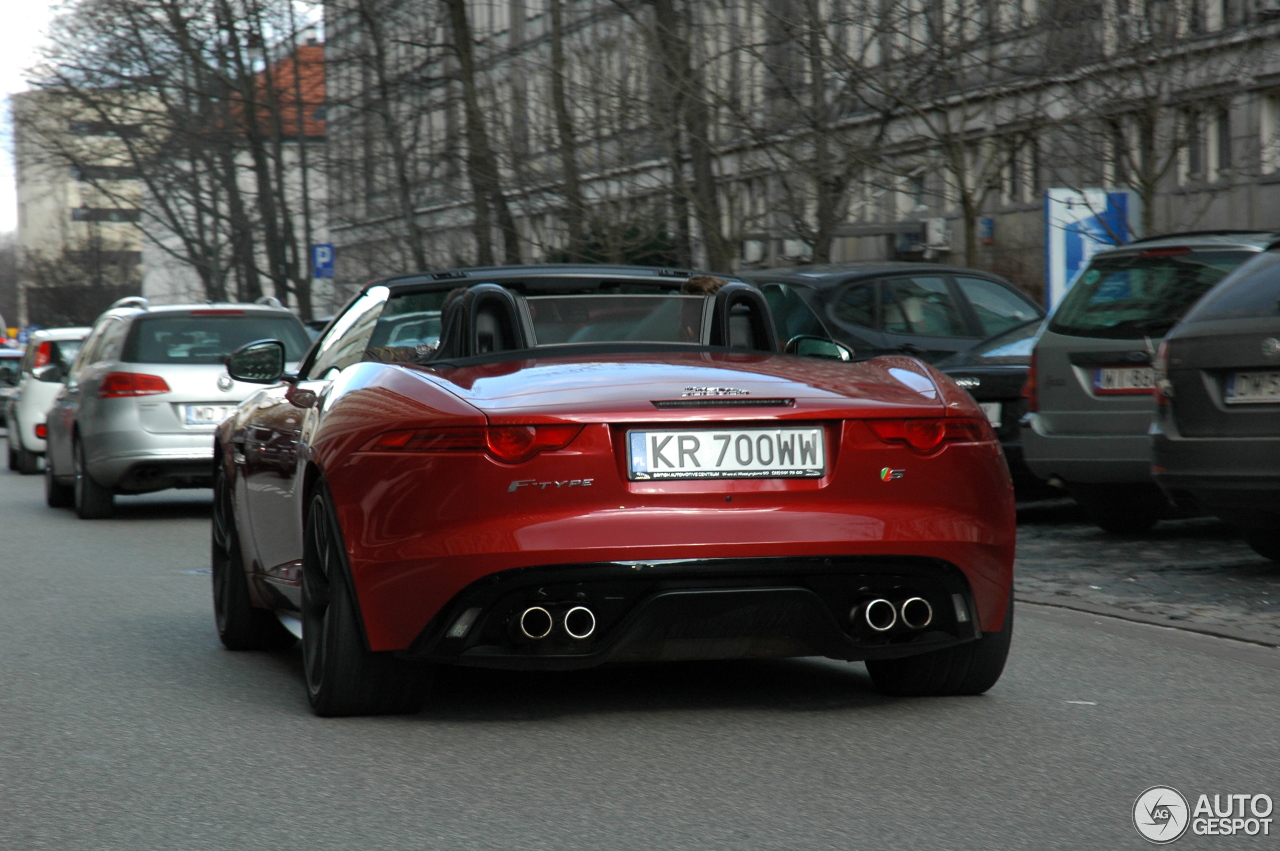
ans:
(922, 309)
(1216, 436)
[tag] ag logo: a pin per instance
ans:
(1161, 815)
(888, 475)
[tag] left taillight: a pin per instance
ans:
(119, 384)
(44, 354)
(927, 435)
(511, 444)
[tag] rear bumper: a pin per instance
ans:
(701, 609)
(131, 463)
(1093, 458)
(1235, 478)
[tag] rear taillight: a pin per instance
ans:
(1163, 387)
(1029, 391)
(44, 354)
(42, 431)
(928, 435)
(118, 384)
(508, 443)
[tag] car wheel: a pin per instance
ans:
(343, 677)
(1121, 509)
(56, 494)
(93, 501)
(241, 625)
(970, 668)
(1265, 542)
(28, 462)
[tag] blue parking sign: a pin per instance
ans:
(322, 260)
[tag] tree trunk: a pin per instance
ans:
(575, 212)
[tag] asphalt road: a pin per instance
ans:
(124, 725)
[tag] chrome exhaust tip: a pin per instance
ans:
(878, 615)
(916, 613)
(579, 622)
(535, 622)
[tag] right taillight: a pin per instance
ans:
(1029, 389)
(1163, 387)
(119, 384)
(927, 436)
(44, 354)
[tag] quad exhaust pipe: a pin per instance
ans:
(536, 623)
(879, 615)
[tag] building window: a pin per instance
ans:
(104, 172)
(105, 214)
(1221, 141)
(1270, 133)
(104, 128)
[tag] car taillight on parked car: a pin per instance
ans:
(118, 384)
(508, 443)
(926, 436)
(1029, 389)
(44, 354)
(1160, 366)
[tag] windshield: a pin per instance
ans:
(1141, 295)
(1253, 291)
(1015, 344)
(208, 339)
(563, 319)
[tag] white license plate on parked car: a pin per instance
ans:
(1257, 388)
(992, 410)
(731, 453)
(206, 414)
(1121, 380)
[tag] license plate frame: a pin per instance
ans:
(1230, 395)
(1124, 381)
(191, 414)
(718, 453)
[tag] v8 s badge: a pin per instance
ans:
(888, 475)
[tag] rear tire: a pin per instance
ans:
(1121, 509)
(970, 668)
(241, 625)
(1265, 542)
(93, 501)
(343, 676)
(56, 494)
(13, 453)
(28, 462)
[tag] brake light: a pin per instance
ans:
(44, 354)
(217, 313)
(1165, 252)
(1163, 386)
(1029, 390)
(926, 436)
(119, 384)
(510, 444)
(42, 431)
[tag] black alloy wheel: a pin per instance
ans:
(241, 625)
(970, 668)
(92, 500)
(343, 676)
(56, 494)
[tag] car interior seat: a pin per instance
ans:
(740, 319)
(484, 319)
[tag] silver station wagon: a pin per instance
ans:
(139, 404)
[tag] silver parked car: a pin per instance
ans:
(1090, 384)
(49, 353)
(142, 398)
(1216, 437)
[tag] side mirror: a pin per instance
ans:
(52, 373)
(807, 346)
(259, 362)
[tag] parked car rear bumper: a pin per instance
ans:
(1090, 458)
(1237, 478)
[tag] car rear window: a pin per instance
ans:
(208, 339)
(1143, 294)
(1252, 291)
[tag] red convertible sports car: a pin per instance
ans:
(564, 466)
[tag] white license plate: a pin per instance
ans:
(206, 414)
(992, 410)
(1123, 380)
(731, 453)
(1253, 388)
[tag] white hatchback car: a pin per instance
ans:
(49, 353)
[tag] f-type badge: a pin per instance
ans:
(715, 391)
(889, 475)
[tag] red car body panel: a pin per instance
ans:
(419, 527)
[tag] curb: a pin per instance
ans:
(1149, 620)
